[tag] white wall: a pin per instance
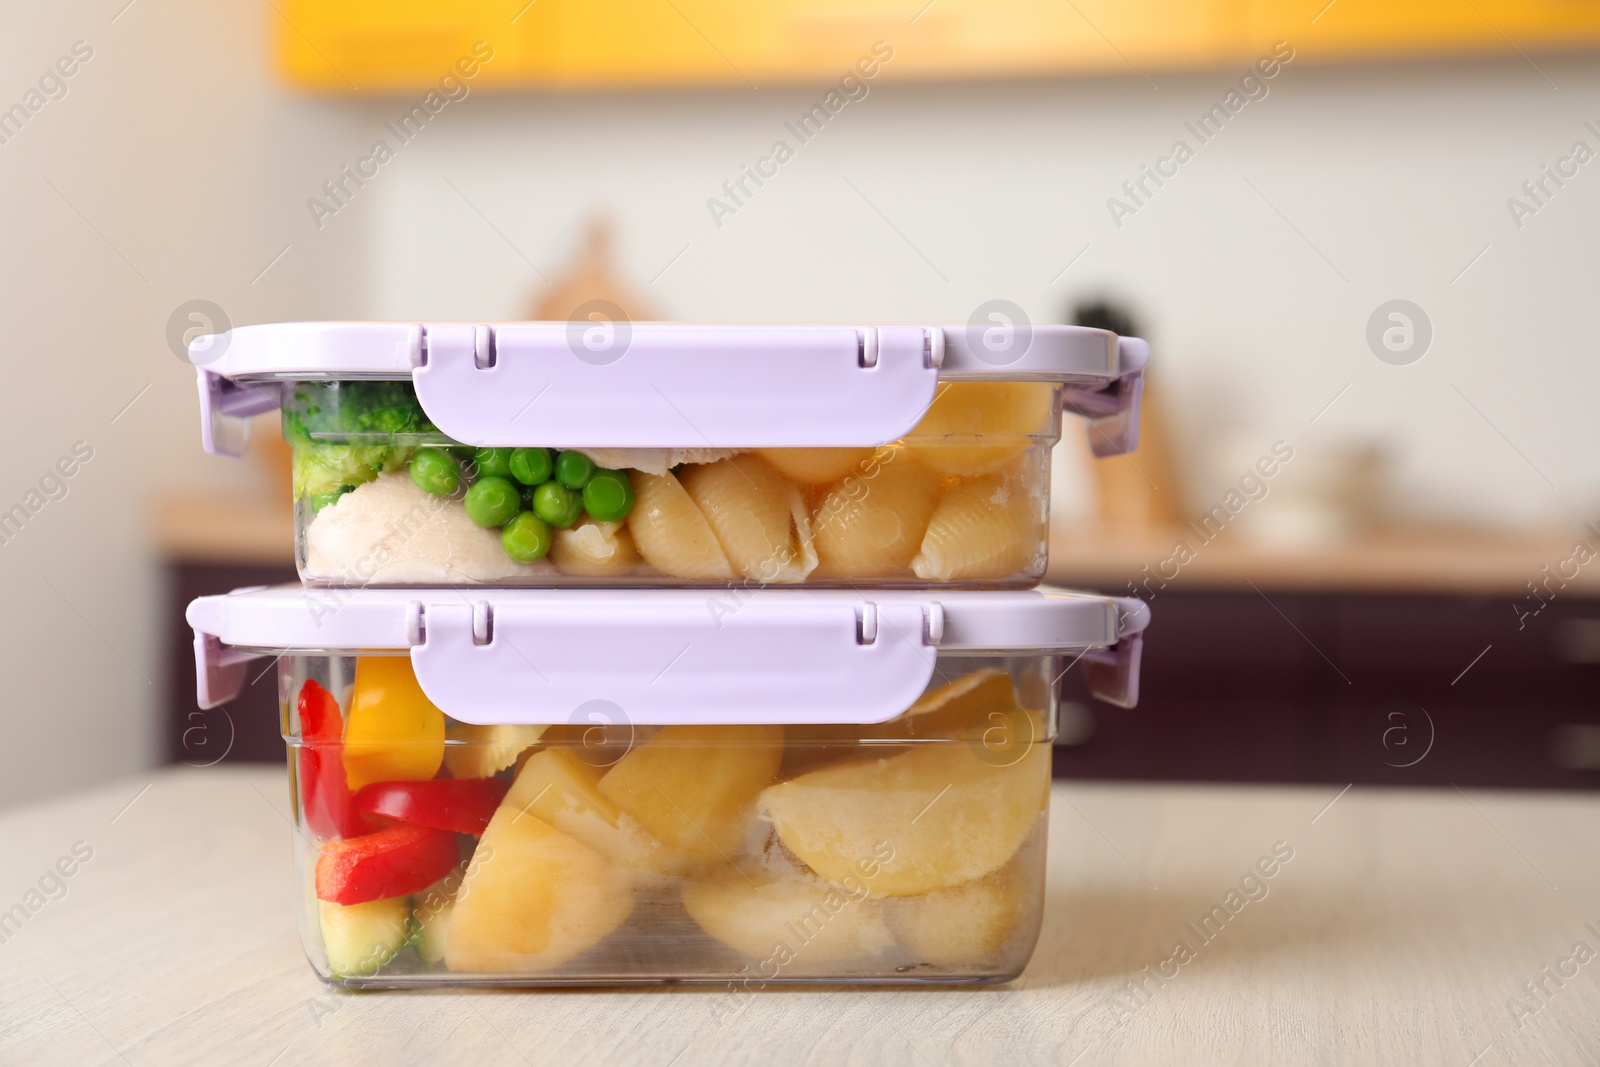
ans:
(1397, 175)
(187, 161)
(174, 145)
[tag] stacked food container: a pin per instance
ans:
(669, 653)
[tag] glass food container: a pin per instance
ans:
(566, 787)
(617, 453)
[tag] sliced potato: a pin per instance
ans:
(563, 790)
(693, 788)
(981, 705)
(806, 922)
(966, 925)
(532, 899)
(484, 751)
(946, 813)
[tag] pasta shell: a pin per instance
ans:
(485, 751)
(594, 549)
(800, 515)
(870, 524)
(985, 528)
(754, 513)
(671, 533)
(815, 466)
(978, 427)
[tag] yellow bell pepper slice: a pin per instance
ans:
(393, 733)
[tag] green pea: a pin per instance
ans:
(435, 471)
(492, 462)
(557, 505)
(574, 469)
(608, 497)
(526, 538)
(492, 501)
(531, 466)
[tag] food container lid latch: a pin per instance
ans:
(225, 410)
(1113, 411)
(729, 657)
(219, 671)
(1113, 672)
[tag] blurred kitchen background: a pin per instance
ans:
(1411, 599)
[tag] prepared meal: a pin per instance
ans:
(653, 453)
(564, 787)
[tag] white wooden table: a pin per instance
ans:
(1400, 932)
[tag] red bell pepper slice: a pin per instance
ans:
(324, 795)
(389, 863)
(464, 805)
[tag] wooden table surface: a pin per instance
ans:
(1401, 931)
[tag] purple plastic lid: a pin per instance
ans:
(669, 655)
(609, 384)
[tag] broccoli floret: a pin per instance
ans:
(323, 470)
(347, 433)
(368, 411)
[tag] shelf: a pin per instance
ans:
(1401, 560)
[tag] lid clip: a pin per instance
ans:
(219, 671)
(1113, 411)
(1113, 673)
(867, 623)
(225, 408)
(673, 660)
(627, 385)
(868, 355)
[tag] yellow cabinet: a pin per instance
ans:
(385, 45)
(1358, 29)
(394, 45)
(375, 46)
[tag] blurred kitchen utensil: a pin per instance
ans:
(1139, 490)
(591, 287)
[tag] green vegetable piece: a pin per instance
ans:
(557, 505)
(354, 412)
(345, 434)
(531, 466)
(493, 462)
(492, 501)
(609, 496)
(326, 468)
(574, 469)
(317, 501)
(435, 471)
(526, 538)
(359, 939)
